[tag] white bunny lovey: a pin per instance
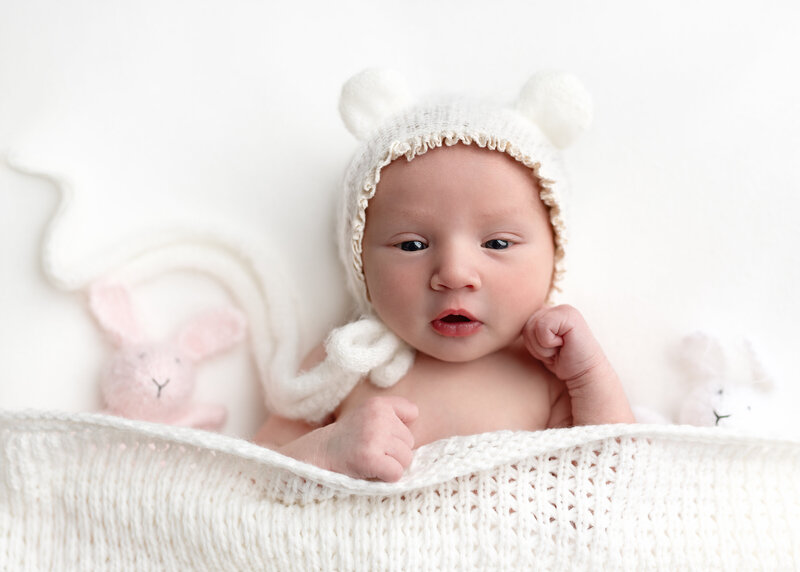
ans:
(155, 381)
(730, 386)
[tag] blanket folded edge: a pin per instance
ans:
(433, 464)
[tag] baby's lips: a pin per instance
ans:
(466, 324)
(456, 312)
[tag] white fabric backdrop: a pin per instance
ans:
(166, 112)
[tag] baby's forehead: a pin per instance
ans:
(451, 175)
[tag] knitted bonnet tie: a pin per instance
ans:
(552, 109)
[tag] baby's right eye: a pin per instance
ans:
(412, 245)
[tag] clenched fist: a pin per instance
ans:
(560, 338)
(372, 441)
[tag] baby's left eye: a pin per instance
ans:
(412, 245)
(496, 244)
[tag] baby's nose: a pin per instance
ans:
(456, 268)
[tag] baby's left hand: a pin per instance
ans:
(560, 338)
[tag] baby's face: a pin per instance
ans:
(457, 250)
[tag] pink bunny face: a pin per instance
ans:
(149, 381)
(155, 381)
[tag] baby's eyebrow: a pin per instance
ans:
(503, 213)
(412, 213)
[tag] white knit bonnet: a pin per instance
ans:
(552, 109)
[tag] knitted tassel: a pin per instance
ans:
(357, 349)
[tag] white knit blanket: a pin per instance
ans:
(90, 492)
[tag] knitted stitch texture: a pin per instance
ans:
(94, 492)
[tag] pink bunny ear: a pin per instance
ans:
(212, 332)
(111, 305)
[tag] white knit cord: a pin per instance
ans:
(353, 352)
(257, 282)
(253, 277)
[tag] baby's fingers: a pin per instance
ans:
(391, 463)
(541, 336)
(402, 433)
(405, 410)
(390, 470)
(401, 452)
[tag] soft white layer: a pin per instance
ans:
(92, 491)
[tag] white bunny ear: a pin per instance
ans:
(702, 356)
(369, 97)
(761, 376)
(558, 103)
(111, 305)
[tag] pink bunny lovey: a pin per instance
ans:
(155, 381)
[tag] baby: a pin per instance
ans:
(452, 236)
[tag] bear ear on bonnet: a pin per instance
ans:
(556, 101)
(370, 97)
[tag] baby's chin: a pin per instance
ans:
(455, 350)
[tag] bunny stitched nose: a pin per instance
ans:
(717, 415)
(159, 386)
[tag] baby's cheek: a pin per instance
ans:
(526, 294)
(391, 291)
(383, 285)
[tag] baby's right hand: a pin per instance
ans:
(373, 440)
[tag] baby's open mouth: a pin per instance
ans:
(453, 318)
(456, 324)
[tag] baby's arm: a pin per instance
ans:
(560, 338)
(370, 441)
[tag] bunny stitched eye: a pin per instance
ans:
(142, 355)
(178, 360)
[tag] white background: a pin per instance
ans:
(166, 113)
